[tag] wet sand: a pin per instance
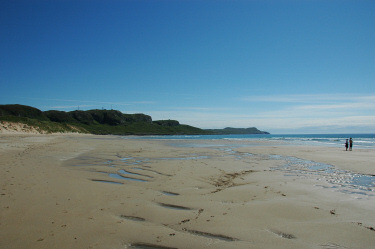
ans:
(84, 191)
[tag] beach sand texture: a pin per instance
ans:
(85, 191)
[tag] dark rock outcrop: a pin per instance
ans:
(169, 123)
(60, 116)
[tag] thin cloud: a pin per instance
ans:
(208, 109)
(304, 98)
(316, 106)
(69, 107)
(346, 106)
(90, 103)
(96, 102)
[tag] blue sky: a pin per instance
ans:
(281, 66)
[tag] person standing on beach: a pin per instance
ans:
(346, 145)
(350, 144)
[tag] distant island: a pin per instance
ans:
(234, 131)
(101, 122)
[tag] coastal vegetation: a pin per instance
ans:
(103, 122)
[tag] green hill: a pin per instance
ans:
(22, 111)
(94, 122)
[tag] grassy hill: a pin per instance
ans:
(94, 121)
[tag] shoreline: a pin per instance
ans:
(54, 195)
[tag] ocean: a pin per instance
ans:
(363, 141)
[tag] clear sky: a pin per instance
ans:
(281, 66)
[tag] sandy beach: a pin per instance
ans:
(85, 191)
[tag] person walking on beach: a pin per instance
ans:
(346, 145)
(350, 144)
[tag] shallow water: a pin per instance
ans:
(117, 176)
(134, 160)
(331, 177)
(342, 180)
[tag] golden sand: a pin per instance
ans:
(57, 191)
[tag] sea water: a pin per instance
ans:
(336, 140)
